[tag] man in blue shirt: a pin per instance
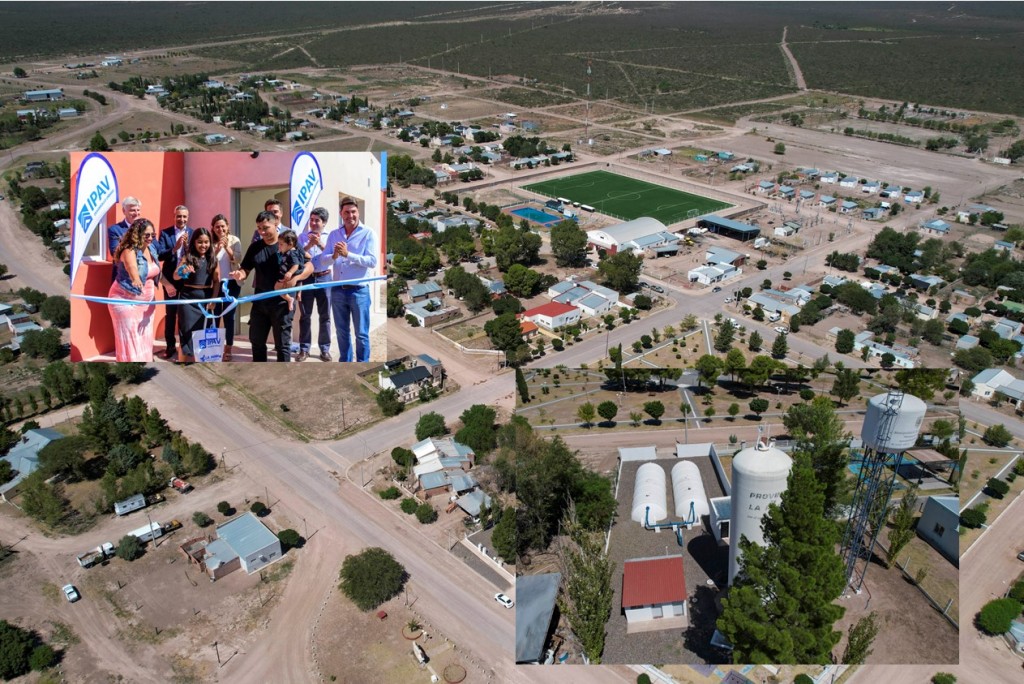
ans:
(351, 254)
(312, 241)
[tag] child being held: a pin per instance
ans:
(291, 259)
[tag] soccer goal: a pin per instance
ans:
(693, 213)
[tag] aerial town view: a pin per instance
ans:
(678, 342)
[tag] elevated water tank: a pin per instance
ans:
(649, 490)
(899, 420)
(687, 488)
(758, 479)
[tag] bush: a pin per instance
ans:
(807, 394)
(997, 436)
(129, 548)
(803, 679)
(425, 513)
(997, 488)
(201, 519)
(290, 539)
(390, 493)
(973, 517)
(409, 506)
(372, 577)
(259, 509)
(1017, 592)
(995, 617)
(643, 678)
(225, 509)
(944, 678)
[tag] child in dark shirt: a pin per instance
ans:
(291, 260)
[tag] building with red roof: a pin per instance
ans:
(654, 594)
(552, 315)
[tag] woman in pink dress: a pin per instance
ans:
(136, 273)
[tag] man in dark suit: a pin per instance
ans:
(132, 209)
(172, 246)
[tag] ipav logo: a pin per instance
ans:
(96, 197)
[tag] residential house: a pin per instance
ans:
(992, 380)
(406, 383)
(23, 457)
(430, 311)
(720, 256)
(553, 315)
(849, 182)
(787, 191)
(243, 542)
(827, 201)
(939, 525)
(913, 197)
(830, 178)
(422, 291)
(848, 207)
(873, 214)
(901, 355)
(936, 225)
(537, 598)
(964, 215)
(871, 188)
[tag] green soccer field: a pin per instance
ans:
(627, 198)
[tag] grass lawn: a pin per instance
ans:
(628, 198)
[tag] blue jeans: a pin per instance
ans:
(307, 298)
(352, 304)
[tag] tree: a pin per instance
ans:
(64, 456)
(430, 425)
(19, 72)
(478, 429)
(734, 362)
(887, 360)
(655, 409)
(225, 509)
(819, 433)
(780, 148)
(98, 143)
(755, 342)
(844, 341)
(201, 519)
(724, 338)
(771, 616)
(996, 616)
(569, 244)
(586, 413)
(43, 656)
(607, 410)
(759, 406)
(634, 419)
(734, 410)
(861, 636)
(503, 538)
(973, 517)
(44, 344)
(943, 678)
(709, 368)
(997, 436)
(587, 572)
(129, 548)
(16, 647)
(521, 387)
(522, 281)
(846, 385)
(259, 509)
(621, 271)
(290, 539)
(902, 524)
(780, 347)
(371, 577)
(57, 310)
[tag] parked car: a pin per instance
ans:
(70, 593)
(643, 284)
(728, 299)
(658, 288)
(504, 600)
(1020, 556)
(782, 330)
(715, 289)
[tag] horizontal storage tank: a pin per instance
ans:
(649, 490)
(900, 420)
(759, 475)
(687, 488)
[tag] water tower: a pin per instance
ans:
(759, 475)
(891, 426)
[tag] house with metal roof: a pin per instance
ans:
(445, 481)
(992, 380)
(654, 594)
(708, 275)
(471, 502)
(827, 201)
(536, 597)
(964, 215)
(924, 282)
(719, 256)
(421, 291)
(243, 542)
(652, 241)
(849, 182)
(787, 191)
(939, 525)
(23, 457)
(806, 195)
(1006, 328)
(1003, 245)
(406, 383)
(873, 214)
(830, 178)
(772, 305)
(936, 225)
(901, 357)
(833, 280)
(871, 187)
(848, 207)
(765, 187)
(967, 342)
(913, 197)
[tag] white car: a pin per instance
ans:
(781, 329)
(70, 593)
(728, 299)
(504, 600)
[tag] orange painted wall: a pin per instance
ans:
(157, 180)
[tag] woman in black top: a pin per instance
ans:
(198, 277)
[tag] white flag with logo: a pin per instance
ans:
(95, 194)
(306, 184)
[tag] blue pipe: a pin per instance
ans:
(653, 526)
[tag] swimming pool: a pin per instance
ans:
(536, 215)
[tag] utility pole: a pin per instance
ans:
(218, 652)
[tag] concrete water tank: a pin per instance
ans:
(687, 488)
(758, 479)
(905, 418)
(649, 490)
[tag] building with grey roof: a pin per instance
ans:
(535, 607)
(24, 457)
(614, 238)
(243, 542)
